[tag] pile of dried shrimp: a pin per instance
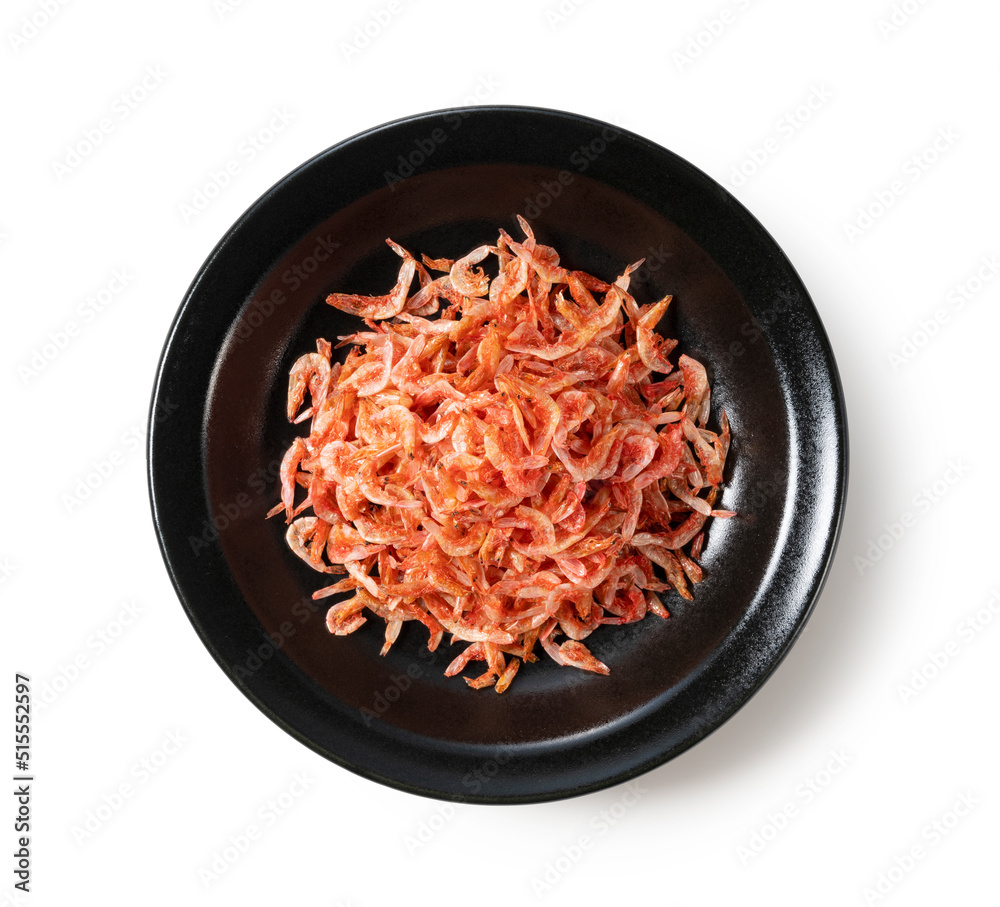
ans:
(509, 472)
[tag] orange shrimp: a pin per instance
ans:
(310, 372)
(471, 281)
(507, 473)
(376, 307)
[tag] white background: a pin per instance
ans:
(701, 829)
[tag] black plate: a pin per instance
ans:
(443, 183)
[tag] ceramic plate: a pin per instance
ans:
(442, 183)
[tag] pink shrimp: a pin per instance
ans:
(298, 536)
(597, 459)
(508, 473)
(473, 652)
(539, 526)
(696, 389)
(397, 421)
(708, 456)
(640, 447)
(378, 307)
(372, 376)
(653, 348)
(458, 542)
(548, 412)
(522, 475)
(288, 471)
(471, 281)
(312, 372)
(528, 340)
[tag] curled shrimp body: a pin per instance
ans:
(471, 281)
(653, 349)
(379, 306)
(311, 372)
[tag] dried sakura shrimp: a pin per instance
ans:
(509, 472)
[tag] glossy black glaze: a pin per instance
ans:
(603, 197)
